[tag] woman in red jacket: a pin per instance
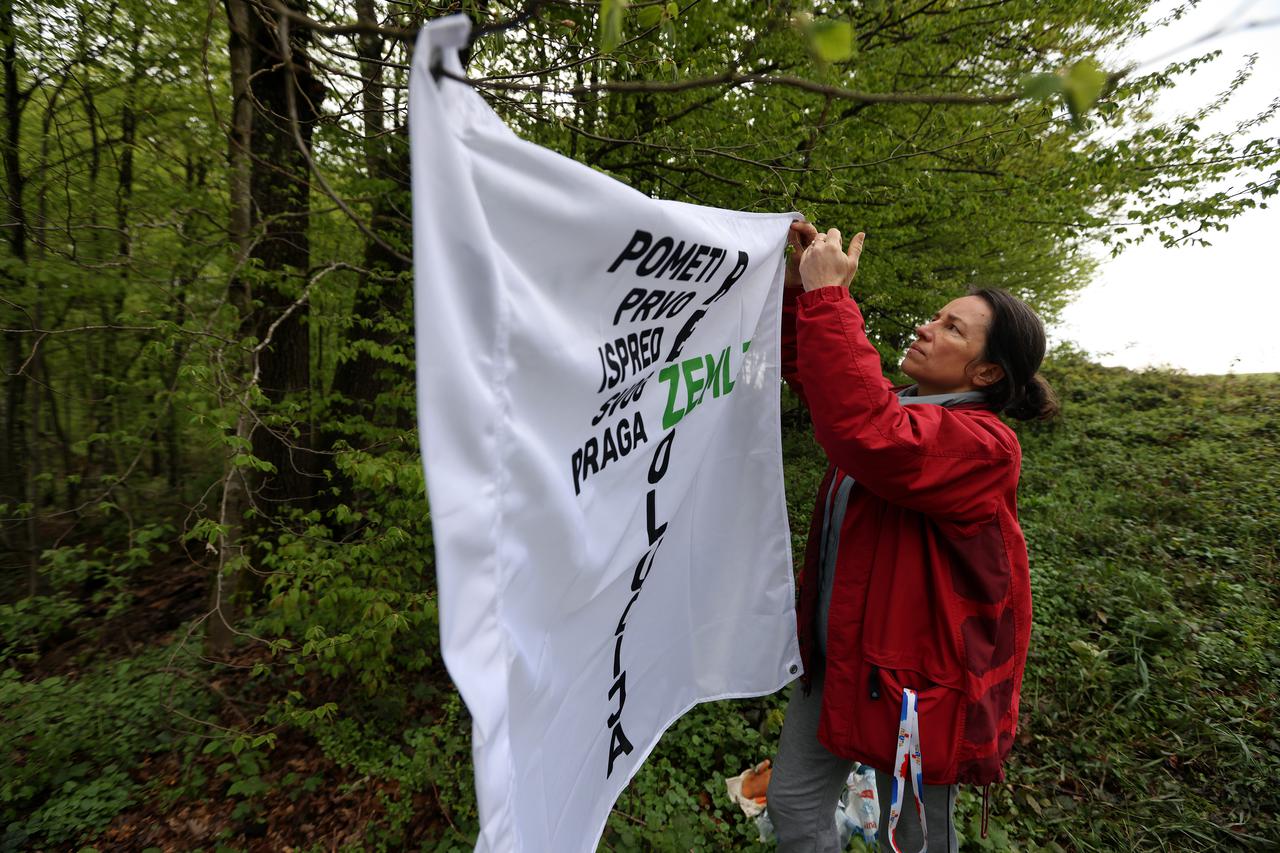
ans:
(915, 600)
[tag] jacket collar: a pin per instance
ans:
(908, 395)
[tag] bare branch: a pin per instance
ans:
(286, 53)
(525, 15)
(341, 29)
(737, 78)
(1227, 27)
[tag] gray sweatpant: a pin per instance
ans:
(807, 782)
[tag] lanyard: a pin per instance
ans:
(908, 752)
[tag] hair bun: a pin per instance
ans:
(1033, 401)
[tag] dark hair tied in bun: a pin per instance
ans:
(1016, 342)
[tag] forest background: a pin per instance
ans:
(218, 627)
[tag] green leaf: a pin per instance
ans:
(831, 41)
(609, 32)
(1041, 86)
(649, 16)
(1085, 650)
(1082, 85)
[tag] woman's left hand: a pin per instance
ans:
(825, 262)
(799, 237)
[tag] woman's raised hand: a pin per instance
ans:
(825, 263)
(798, 238)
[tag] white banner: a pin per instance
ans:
(598, 395)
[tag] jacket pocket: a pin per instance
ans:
(941, 713)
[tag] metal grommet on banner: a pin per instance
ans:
(794, 669)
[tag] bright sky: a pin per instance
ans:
(1202, 309)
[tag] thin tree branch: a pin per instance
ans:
(737, 78)
(291, 99)
(524, 16)
(312, 24)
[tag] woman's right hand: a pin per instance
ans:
(826, 264)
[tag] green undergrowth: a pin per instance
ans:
(1149, 708)
(72, 744)
(1153, 684)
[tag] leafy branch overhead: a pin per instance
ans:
(829, 41)
(1080, 86)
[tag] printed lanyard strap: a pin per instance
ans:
(908, 751)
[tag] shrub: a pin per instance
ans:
(70, 743)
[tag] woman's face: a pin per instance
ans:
(945, 357)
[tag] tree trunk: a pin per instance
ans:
(382, 290)
(238, 154)
(270, 187)
(183, 277)
(280, 189)
(226, 605)
(15, 467)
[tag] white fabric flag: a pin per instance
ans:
(598, 393)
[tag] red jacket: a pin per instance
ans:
(931, 586)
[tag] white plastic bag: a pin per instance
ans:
(861, 806)
(858, 811)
